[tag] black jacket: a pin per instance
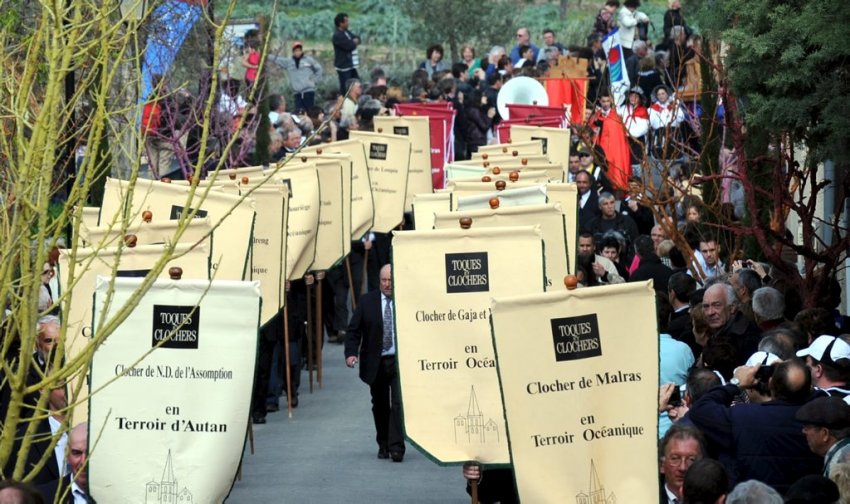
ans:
(344, 45)
(364, 337)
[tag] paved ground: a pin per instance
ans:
(326, 453)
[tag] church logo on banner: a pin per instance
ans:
(176, 326)
(468, 272)
(576, 337)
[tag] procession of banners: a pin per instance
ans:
(182, 275)
(188, 256)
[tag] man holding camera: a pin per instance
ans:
(761, 441)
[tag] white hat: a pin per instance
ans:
(826, 349)
(763, 358)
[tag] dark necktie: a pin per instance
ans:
(388, 326)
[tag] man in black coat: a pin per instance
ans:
(370, 337)
(761, 441)
(77, 478)
(650, 266)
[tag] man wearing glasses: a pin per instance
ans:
(523, 38)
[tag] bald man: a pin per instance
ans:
(370, 338)
(761, 441)
(74, 487)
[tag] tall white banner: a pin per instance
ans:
(171, 390)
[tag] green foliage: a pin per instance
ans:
(789, 60)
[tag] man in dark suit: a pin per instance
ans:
(370, 337)
(76, 478)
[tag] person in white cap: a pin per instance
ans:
(828, 357)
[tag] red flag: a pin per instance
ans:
(572, 92)
(441, 119)
(612, 139)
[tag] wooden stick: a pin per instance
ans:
(309, 331)
(251, 435)
(365, 286)
(473, 486)
(320, 327)
(288, 365)
(351, 283)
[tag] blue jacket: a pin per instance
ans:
(755, 441)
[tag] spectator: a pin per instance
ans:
(251, 62)
(768, 308)
(354, 91)
(706, 482)
(680, 447)
(778, 342)
(813, 489)
(467, 54)
(674, 359)
(814, 322)
(679, 288)
(745, 282)
(550, 43)
(673, 17)
(753, 492)
(679, 54)
(603, 269)
(826, 425)
(628, 18)
(588, 200)
(709, 257)
(760, 441)
(612, 245)
(610, 220)
(434, 62)
(828, 358)
(303, 72)
(523, 38)
(76, 478)
(637, 206)
(18, 492)
(650, 267)
(479, 119)
(606, 19)
(346, 58)
(591, 157)
(727, 323)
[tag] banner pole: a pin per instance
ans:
(351, 283)
(473, 486)
(286, 358)
(365, 272)
(320, 327)
(309, 324)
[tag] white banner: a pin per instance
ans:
(171, 391)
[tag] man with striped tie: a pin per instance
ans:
(370, 338)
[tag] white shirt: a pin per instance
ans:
(384, 301)
(583, 199)
(78, 493)
(59, 450)
(671, 497)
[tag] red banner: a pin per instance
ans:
(503, 130)
(441, 119)
(572, 92)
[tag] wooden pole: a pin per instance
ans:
(473, 486)
(320, 326)
(365, 285)
(286, 358)
(351, 288)
(309, 338)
